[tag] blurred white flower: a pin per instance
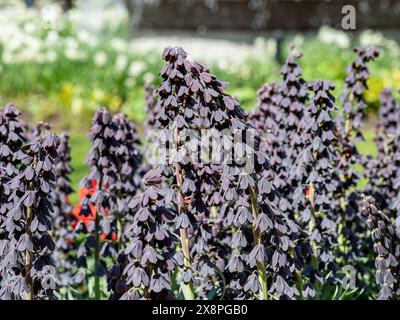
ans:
(52, 37)
(50, 14)
(71, 50)
(331, 36)
(264, 47)
(51, 56)
(121, 62)
(96, 16)
(298, 41)
(136, 68)
(223, 65)
(30, 27)
(71, 43)
(100, 58)
(371, 38)
(148, 77)
(130, 82)
(71, 32)
(74, 54)
(118, 44)
(217, 50)
(7, 57)
(87, 38)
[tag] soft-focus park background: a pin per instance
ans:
(60, 60)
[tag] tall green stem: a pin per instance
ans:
(262, 276)
(188, 289)
(29, 255)
(120, 229)
(313, 219)
(312, 226)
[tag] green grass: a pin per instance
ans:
(80, 146)
(367, 146)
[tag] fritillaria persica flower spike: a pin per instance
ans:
(100, 204)
(39, 129)
(145, 266)
(384, 171)
(30, 271)
(266, 116)
(352, 97)
(282, 108)
(64, 234)
(114, 161)
(129, 160)
(191, 100)
(349, 121)
(12, 138)
(386, 247)
(316, 169)
(150, 101)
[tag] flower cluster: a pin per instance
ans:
(386, 247)
(27, 266)
(190, 98)
(145, 266)
(316, 169)
(280, 112)
(354, 243)
(252, 225)
(114, 162)
(99, 201)
(129, 159)
(349, 123)
(12, 138)
(384, 171)
(63, 219)
(265, 117)
(150, 100)
(353, 96)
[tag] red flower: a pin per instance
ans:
(82, 218)
(91, 212)
(187, 200)
(83, 192)
(308, 192)
(113, 236)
